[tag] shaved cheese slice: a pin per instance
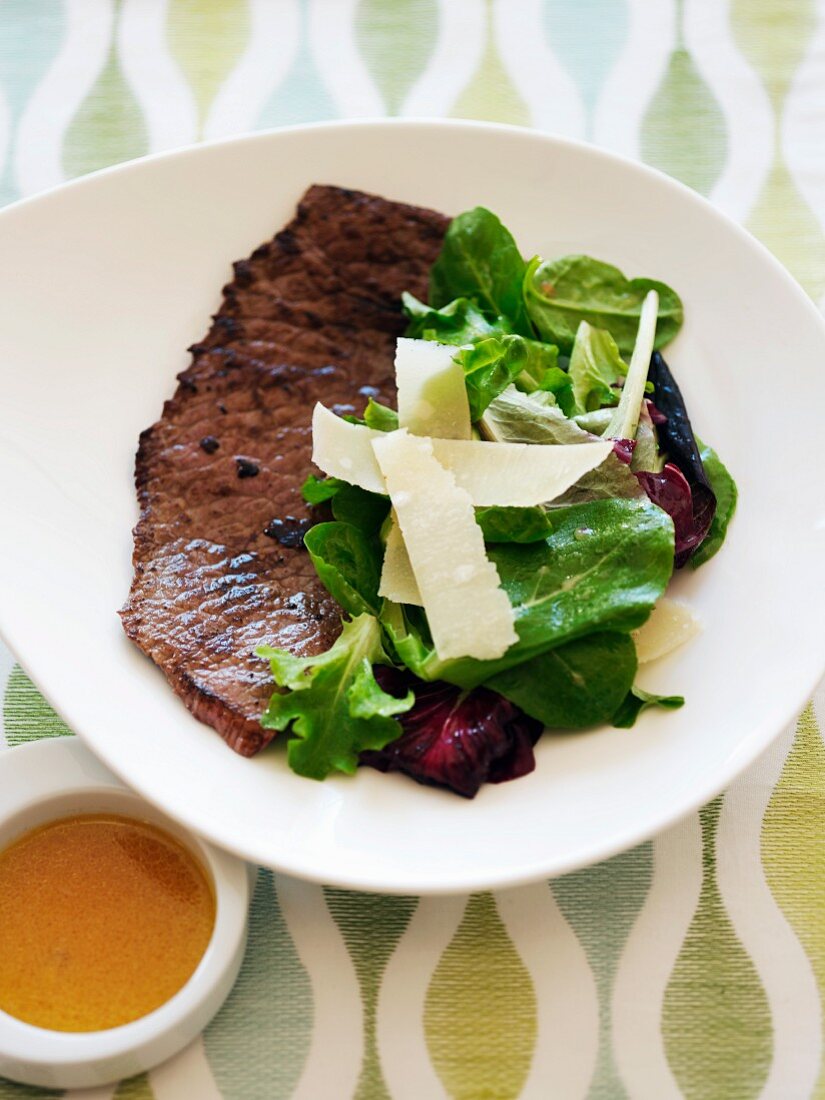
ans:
(398, 581)
(344, 450)
(507, 474)
(670, 625)
(468, 612)
(432, 397)
(517, 474)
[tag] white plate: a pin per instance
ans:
(103, 285)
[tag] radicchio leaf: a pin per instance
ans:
(676, 438)
(670, 490)
(455, 739)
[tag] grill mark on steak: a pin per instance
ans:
(219, 568)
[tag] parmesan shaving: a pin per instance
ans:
(468, 612)
(670, 625)
(432, 396)
(397, 578)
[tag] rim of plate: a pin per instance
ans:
(748, 750)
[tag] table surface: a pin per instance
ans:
(693, 965)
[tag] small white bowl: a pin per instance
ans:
(59, 778)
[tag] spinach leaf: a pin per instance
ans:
(724, 489)
(356, 506)
(480, 260)
(637, 700)
(348, 563)
(459, 322)
(602, 568)
(560, 294)
(335, 706)
(578, 684)
(516, 417)
(513, 524)
(596, 368)
(489, 367)
(380, 417)
(316, 490)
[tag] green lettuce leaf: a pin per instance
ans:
(560, 294)
(578, 684)
(334, 705)
(603, 568)
(513, 524)
(489, 367)
(595, 368)
(724, 488)
(380, 417)
(459, 322)
(637, 700)
(348, 563)
(316, 490)
(516, 417)
(480, 260)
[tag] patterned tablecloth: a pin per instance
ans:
(692, 966)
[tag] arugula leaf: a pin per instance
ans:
(578, 684)
(348, 563)
(316, 490)
(637, 700)
(604, 566)
(489, 367)
(595, 368)
(459, 322)
(480, 260)
(724, 489)
(560, 294)
(513, 524)
(381, 417)
(516, 417)
(335, 706)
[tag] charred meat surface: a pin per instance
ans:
(312, 315)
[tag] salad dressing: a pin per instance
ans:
(103, 918)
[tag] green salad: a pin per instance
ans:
(500, 540)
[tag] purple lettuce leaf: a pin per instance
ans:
(671, 491)
(456, 739)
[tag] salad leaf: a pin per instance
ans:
(459, 322)
(670, 490)
(676, 438)
(513, 524)
(612, 478)
(602, 568)
(480, 260)
(316, 490)
(489, 367)
(516, 417)
(637, 700)
(596, 369)
(335, 706)
(560, 294)
(454, 739)
(348, 563)
(380, 417)
(578, 684)
(360, 508)
(646, 452)
(625, 418)
(724, 489)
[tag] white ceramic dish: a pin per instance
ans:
(103, 285)
(53, 779)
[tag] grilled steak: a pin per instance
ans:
(219, 567)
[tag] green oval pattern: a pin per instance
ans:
(793, 846)
(134, 1088)
(396, 41)
(108, 126)
(684, 129)
(774, 38)
(371, 926)
(207, 41)
(26, 714)
(480, 1013)
(490, 95)
(601, 905)
(587, 37)
(274, 991)
(716, 1023)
